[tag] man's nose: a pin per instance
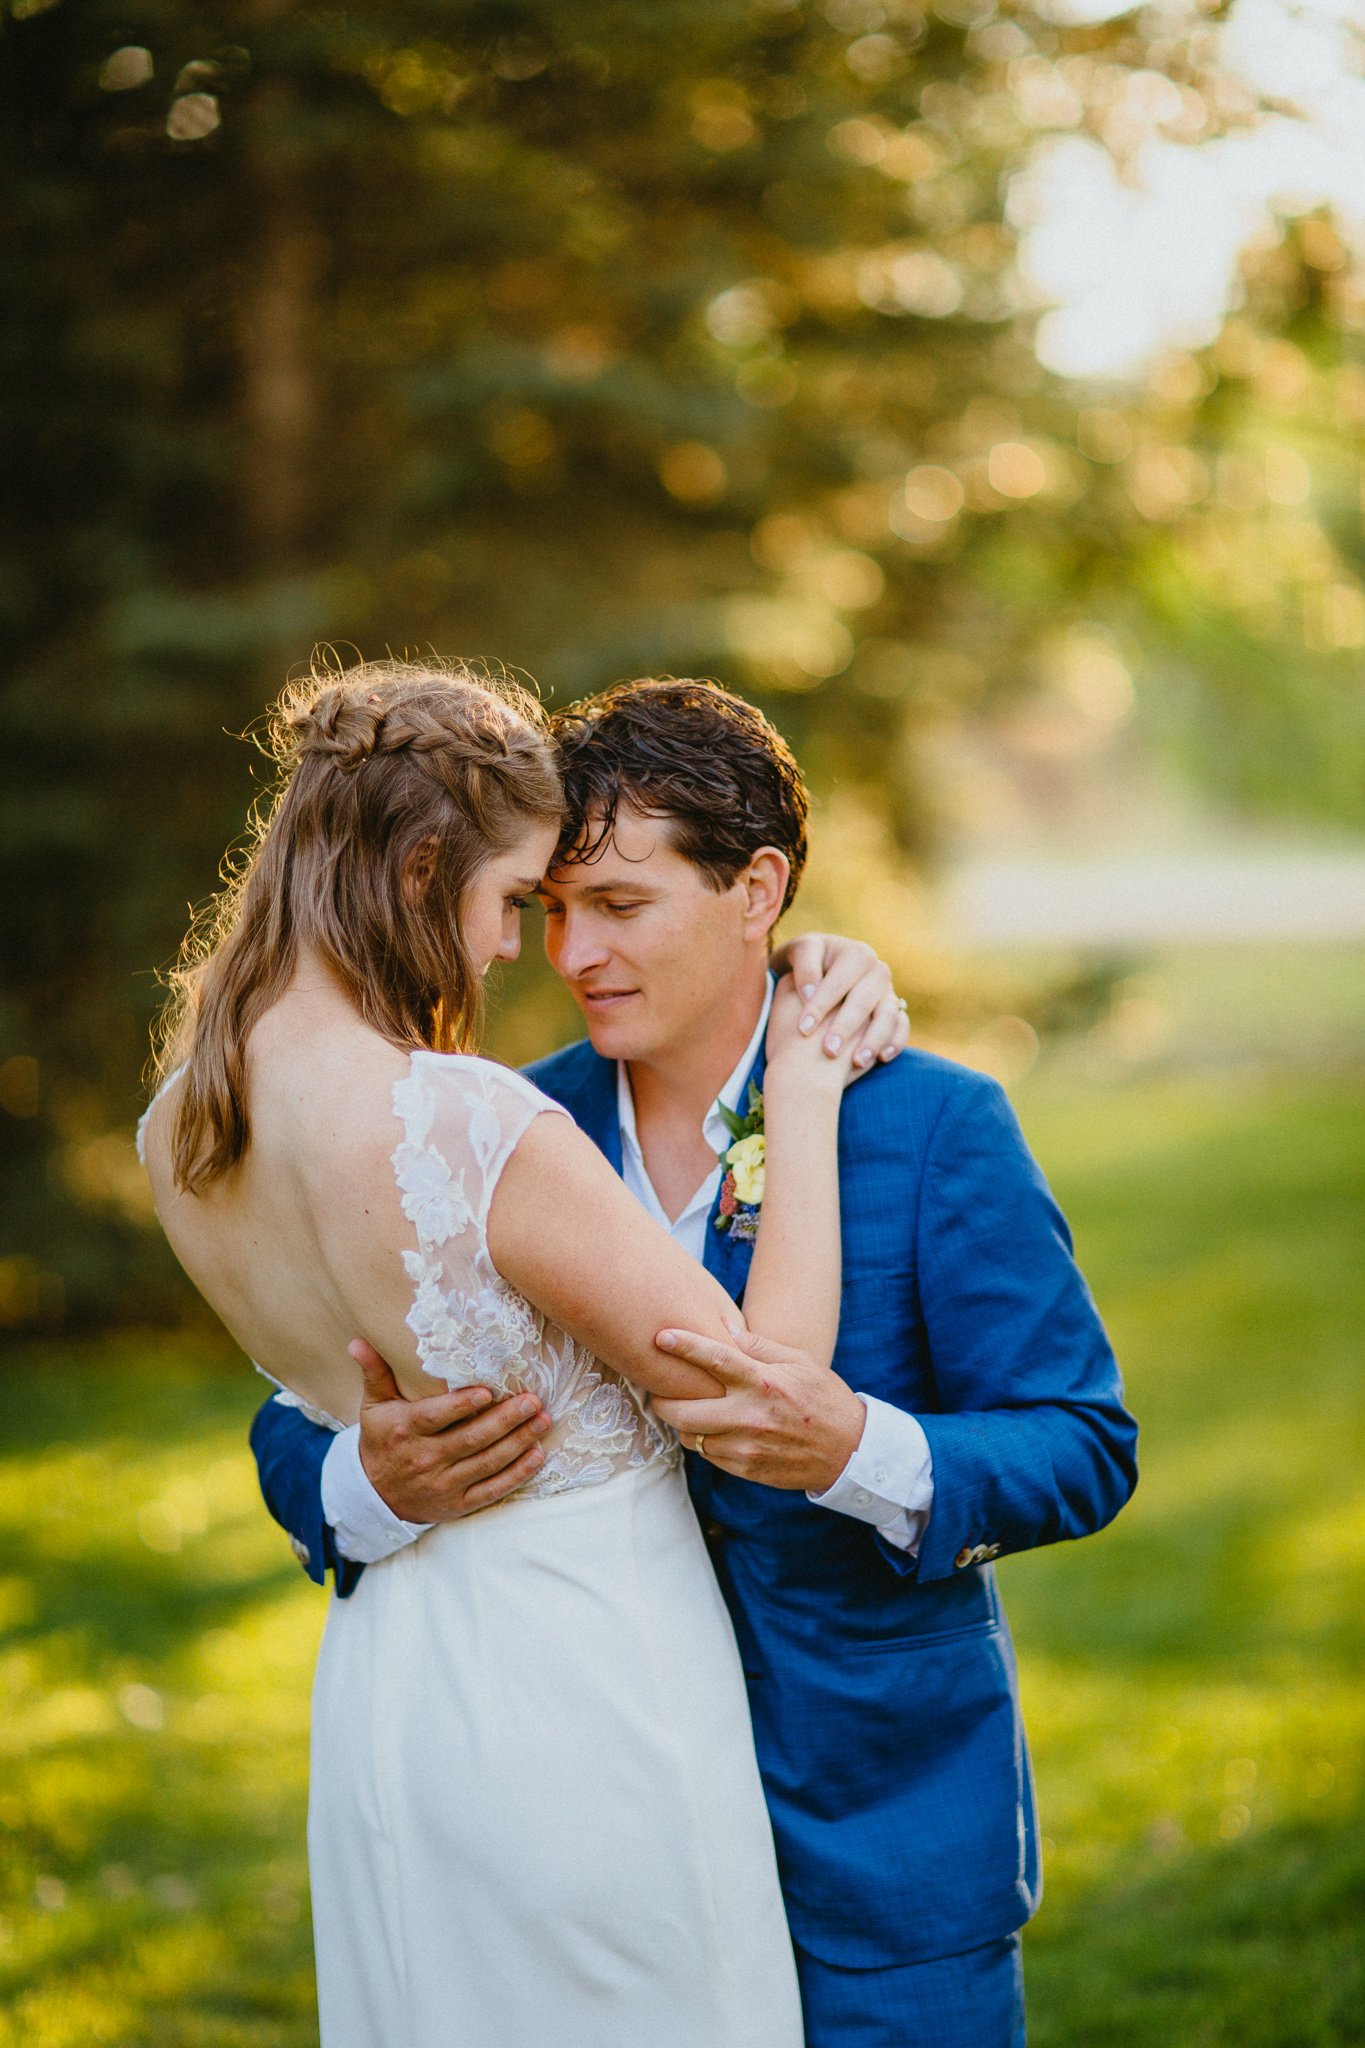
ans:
(580, 948)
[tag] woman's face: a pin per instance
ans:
(491, 912)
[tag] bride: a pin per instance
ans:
(535, 1813)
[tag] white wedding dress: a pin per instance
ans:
(535, 1814)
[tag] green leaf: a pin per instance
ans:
(736, 1125)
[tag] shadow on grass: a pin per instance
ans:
(167, 1386)
(1185, 1595)
(129, 1608)
(1254, 1944)
(85, 1452)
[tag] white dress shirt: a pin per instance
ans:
(888, 1481)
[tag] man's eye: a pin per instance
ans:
(552, 909)
(621, 909)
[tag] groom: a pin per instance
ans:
(974, 1407)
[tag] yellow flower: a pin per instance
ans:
(745, 1161)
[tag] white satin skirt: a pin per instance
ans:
(535, 1816)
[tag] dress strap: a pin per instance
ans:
(168, 1083)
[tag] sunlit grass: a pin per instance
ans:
(1192, 1678)
(153, 1711)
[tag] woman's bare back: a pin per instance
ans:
(299, 1248)
(361, 1209)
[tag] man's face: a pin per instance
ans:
(650, 952)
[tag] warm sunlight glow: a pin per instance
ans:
(1137, 257)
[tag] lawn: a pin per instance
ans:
(1192, 1678)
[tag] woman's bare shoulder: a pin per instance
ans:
(332, 1097)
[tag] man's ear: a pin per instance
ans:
(764, 882)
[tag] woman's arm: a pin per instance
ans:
(564, 1232)
(793, 1291)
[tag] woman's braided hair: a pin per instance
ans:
(380, 708)
(396, 781)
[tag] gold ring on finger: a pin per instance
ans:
(700, 1446)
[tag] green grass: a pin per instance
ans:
(153, 1701)
(1192, 1678)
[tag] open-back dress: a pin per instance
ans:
(535, 1814)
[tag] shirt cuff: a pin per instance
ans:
(364, 1527)
(889, 1480)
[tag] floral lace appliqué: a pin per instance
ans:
(469, 1324)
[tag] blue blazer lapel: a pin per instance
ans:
(729, 1258)
(594, 1109)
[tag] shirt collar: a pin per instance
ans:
(713, 1124)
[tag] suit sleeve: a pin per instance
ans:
(289, 1453)
(1031, 1442)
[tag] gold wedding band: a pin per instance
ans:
(700, 1447)
(902, 1006)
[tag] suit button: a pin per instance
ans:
(964, 1558)
(712, 1531)
(301, 1552)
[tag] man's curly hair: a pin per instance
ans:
(692, 753)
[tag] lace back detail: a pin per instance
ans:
(462, 1120)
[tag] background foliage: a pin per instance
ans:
(608, 337)
(603, 339)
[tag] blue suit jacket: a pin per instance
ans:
(883, 1691)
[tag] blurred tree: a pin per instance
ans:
(605, 338)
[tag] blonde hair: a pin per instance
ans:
(382, 767)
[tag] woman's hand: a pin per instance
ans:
(849, 997)
(796, 1057)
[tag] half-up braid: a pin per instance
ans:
(381, 766)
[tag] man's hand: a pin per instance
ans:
(848, 993)
(448, 1455)
(783, 1420)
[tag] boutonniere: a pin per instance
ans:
(741, 1191)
